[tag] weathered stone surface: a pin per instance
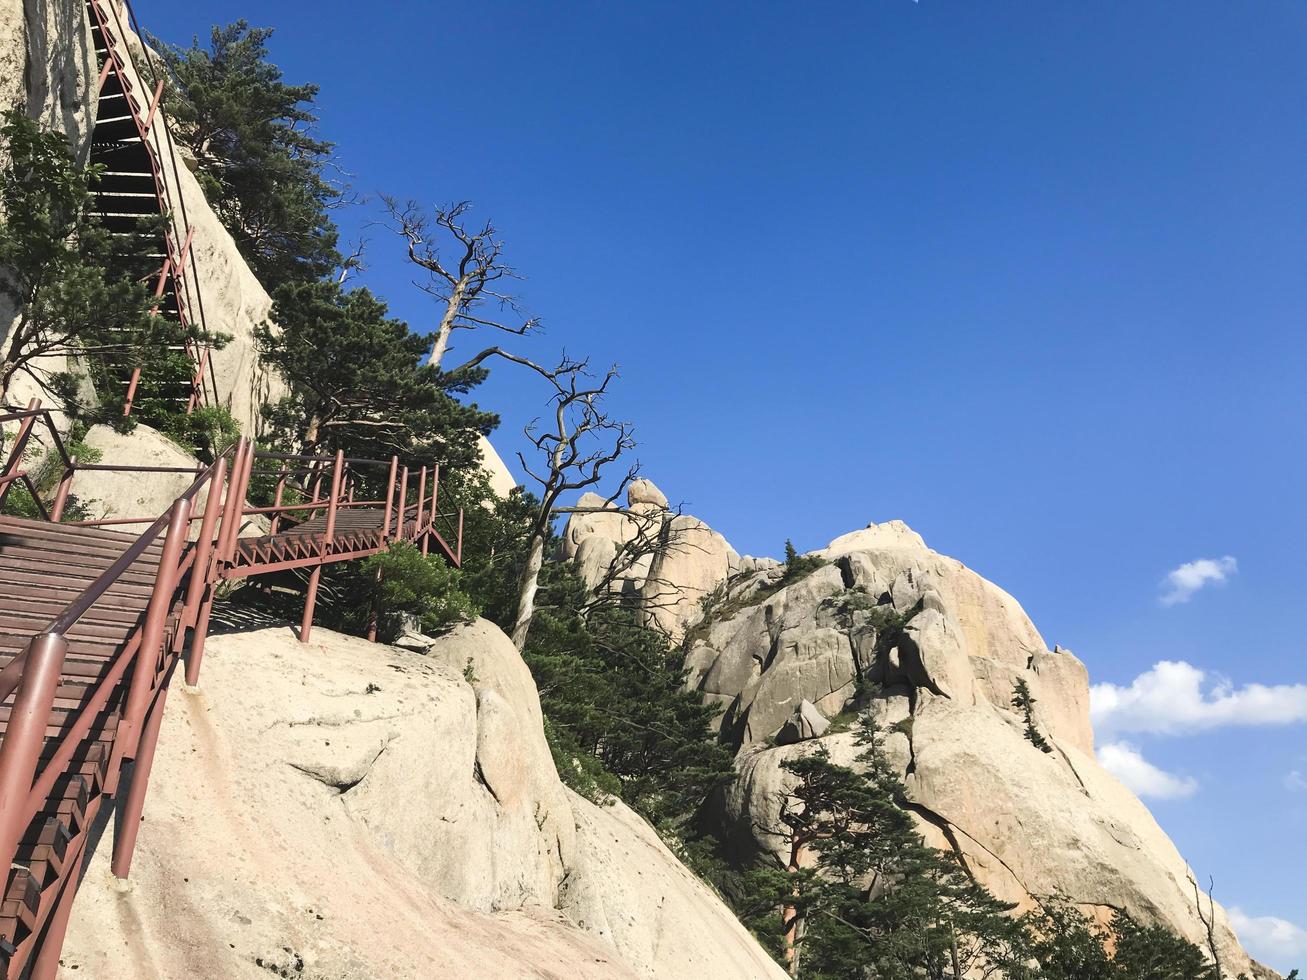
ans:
(110, 495)
(1029, 825)
(378, 813)
(629, 890)
(806, 722)
(695, 562)
(502, 480)
(46, 63)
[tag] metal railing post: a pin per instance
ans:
(199, 594)
(402, 507)
(276, 502)
(458, 556)
(390, 499)
(19, 445)
(235, 502)
(131, 392)
(24, 736)
(129, 825)
(422, 500)
(156, 615)
(435, 495)
(337, 475)
(65, 486)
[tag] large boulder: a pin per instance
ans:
(967, 639)
(1028, 825)
(689, 563)
(348, 810)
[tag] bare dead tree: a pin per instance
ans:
(353, 262)
(579, 442)
(466, 284)
(1208, 919)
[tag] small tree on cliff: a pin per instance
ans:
(868, 896)
(1025, 702)
(259, 164)
(466, 284)
(581, 440)
(73, 289)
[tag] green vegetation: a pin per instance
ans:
(1025, 702)
(75, 289)
(798, 566)
(355, 383)
(864, 895)
(612, 690)
(205, 433)
(261, 168)
(417, 589)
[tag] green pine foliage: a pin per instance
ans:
(1067, 945)
(205, 433)
(612, 691)
(75, 289)
(1025, 702)
(417, 591)
(798, 566)
(415, 588)
(876, 900)
(355, 383)
(251, 134)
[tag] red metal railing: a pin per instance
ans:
(312, 532)
(156, 141)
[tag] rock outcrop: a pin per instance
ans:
(1027, 824)
(347, 810)
(672, 560)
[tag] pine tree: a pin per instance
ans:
(1025, 702)
(355, 383)
(868, 896)
(74, 288)
(261, 167)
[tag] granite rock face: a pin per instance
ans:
(1028, 825)
(46, 64)
(677, 561)
(375, 812)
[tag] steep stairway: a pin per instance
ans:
(43, 568)
(135, 204)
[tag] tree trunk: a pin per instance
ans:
(790, 915)
(526, 595)
(446, 325)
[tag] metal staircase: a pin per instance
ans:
(131, 142)
(94, 622)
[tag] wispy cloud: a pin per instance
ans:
(1181, 583)
(1296, 782)
(1176, 698)
(1268, 938)
(1126, 763)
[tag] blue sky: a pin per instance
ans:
(1029, 277)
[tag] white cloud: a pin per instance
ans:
(1181, 583)
(1268, 938)
(1127, 764)
(1175, 698)
(1296, 782)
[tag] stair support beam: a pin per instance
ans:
(128, 824)
(20, 751)
(147, 654)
